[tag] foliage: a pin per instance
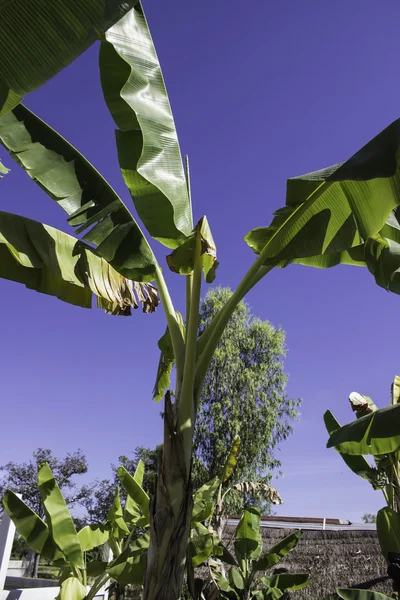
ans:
(375, 432)
(100, 494)
(243, 394)
(368, 518)
(242, 581)
(22, 477)
(57, 540)
(345, 214)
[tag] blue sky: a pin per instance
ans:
(259, 95)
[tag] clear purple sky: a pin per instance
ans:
(259, 95)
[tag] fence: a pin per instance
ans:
(23, 588)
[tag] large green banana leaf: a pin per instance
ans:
(376, 433)
(283, 582)
(130, 565)
(388, 528)
(358, 464)
(147, 142)
(92, 536)
(32, 529)
(115, 518)
(52, 262)
(248, 542)
(278, 551)
(59, 518)
(38, 38)
(132, 512)
(72, 589)
(135, 491)
(343, 214)
(90, 202)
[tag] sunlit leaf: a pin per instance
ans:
(39, 38)
(58, 517)
(358, 464)
(344, 214)
(248, 542)
(147, 141)
(92, 536)
(376, 433)
(32, 529)
(77, 187)
(52, 262)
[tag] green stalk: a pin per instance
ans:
(189, 282)
(178, 343)
(98, 584)
(186, 395)
(210, 338)
(114, 545)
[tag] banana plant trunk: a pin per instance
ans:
(170, 516)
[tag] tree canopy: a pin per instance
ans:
(22, 477)
(243, 394)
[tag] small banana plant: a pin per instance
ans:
(125, 530)
(243, 581)
(207, 525)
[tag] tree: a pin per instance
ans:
(22, 479)
(243, 394)
(341, 215)
(368, 518)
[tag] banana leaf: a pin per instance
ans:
(135, 491)
(231, 460)
(129, 567)
(72, 589)
(147, 142)
(248, 542)
(278, 551)
(182, 259)
(376, 433)
(167, 360)
(32, 529)
(92, 536)
(203, 501)
(283, 582)
(132, 512)
(39, 38)
(115, 518)
(358, 464)
(344, 214)
(58, 517)
(388, 528)
(201, 544)
(51, 262)
(78, 188)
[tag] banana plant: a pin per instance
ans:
(375, 432)
(57, 540)
(346, 214)
(206, 544)
(242, 582)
